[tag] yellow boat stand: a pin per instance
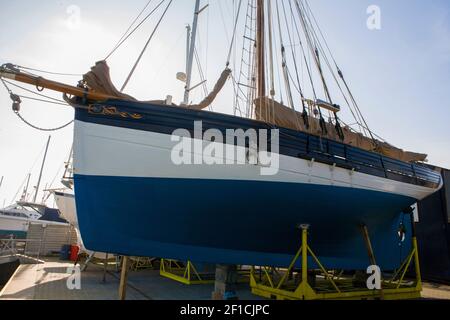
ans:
(187, 273)
(287, 284)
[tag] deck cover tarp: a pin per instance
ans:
(277, 114)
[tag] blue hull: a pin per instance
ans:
(239, 222)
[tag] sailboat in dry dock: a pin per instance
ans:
(132, 198)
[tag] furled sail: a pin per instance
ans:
(99, 80)
(212, 96)
(270, 111)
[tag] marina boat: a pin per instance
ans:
(158, 179)
(15, 219)
(65, 201)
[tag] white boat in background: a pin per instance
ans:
(65, 201)
(15, 219)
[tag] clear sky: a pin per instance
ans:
(399, 74)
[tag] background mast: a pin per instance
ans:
(191, 55)
(42, 169)
(260, 43)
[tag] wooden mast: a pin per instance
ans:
(260, 43)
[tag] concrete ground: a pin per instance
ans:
(436, 291)
(48, 281)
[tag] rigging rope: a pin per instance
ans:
(132, 24)
(234, 33)
(359, 116)
(314, 44)
(35, 93)
(134, 30)
(49, 72)
(42, 100)
(146, 45)
(284, 61)
(305, 114)
(237, 83)
(202, 76)
(286, 69)
(359, 113)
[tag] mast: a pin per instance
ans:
(191, 54)
(68, 164)
(42, 169)
(1, 183)
(25, 190)
(260, 43)
(188, 46)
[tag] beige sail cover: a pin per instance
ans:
(270, 111)
(99, 80)
(212, 96)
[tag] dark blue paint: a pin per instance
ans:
(238, 222)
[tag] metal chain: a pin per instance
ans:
(43, 129)
(31, 125)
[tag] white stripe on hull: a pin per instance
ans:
(120, 152)
(14, 224)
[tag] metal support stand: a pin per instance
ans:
(369, 247)
(289, 284)
(123, 278)
(225, 283)
(105, 268)
(184, 273)
(141, 263)
(85, 265)
(188, 274)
